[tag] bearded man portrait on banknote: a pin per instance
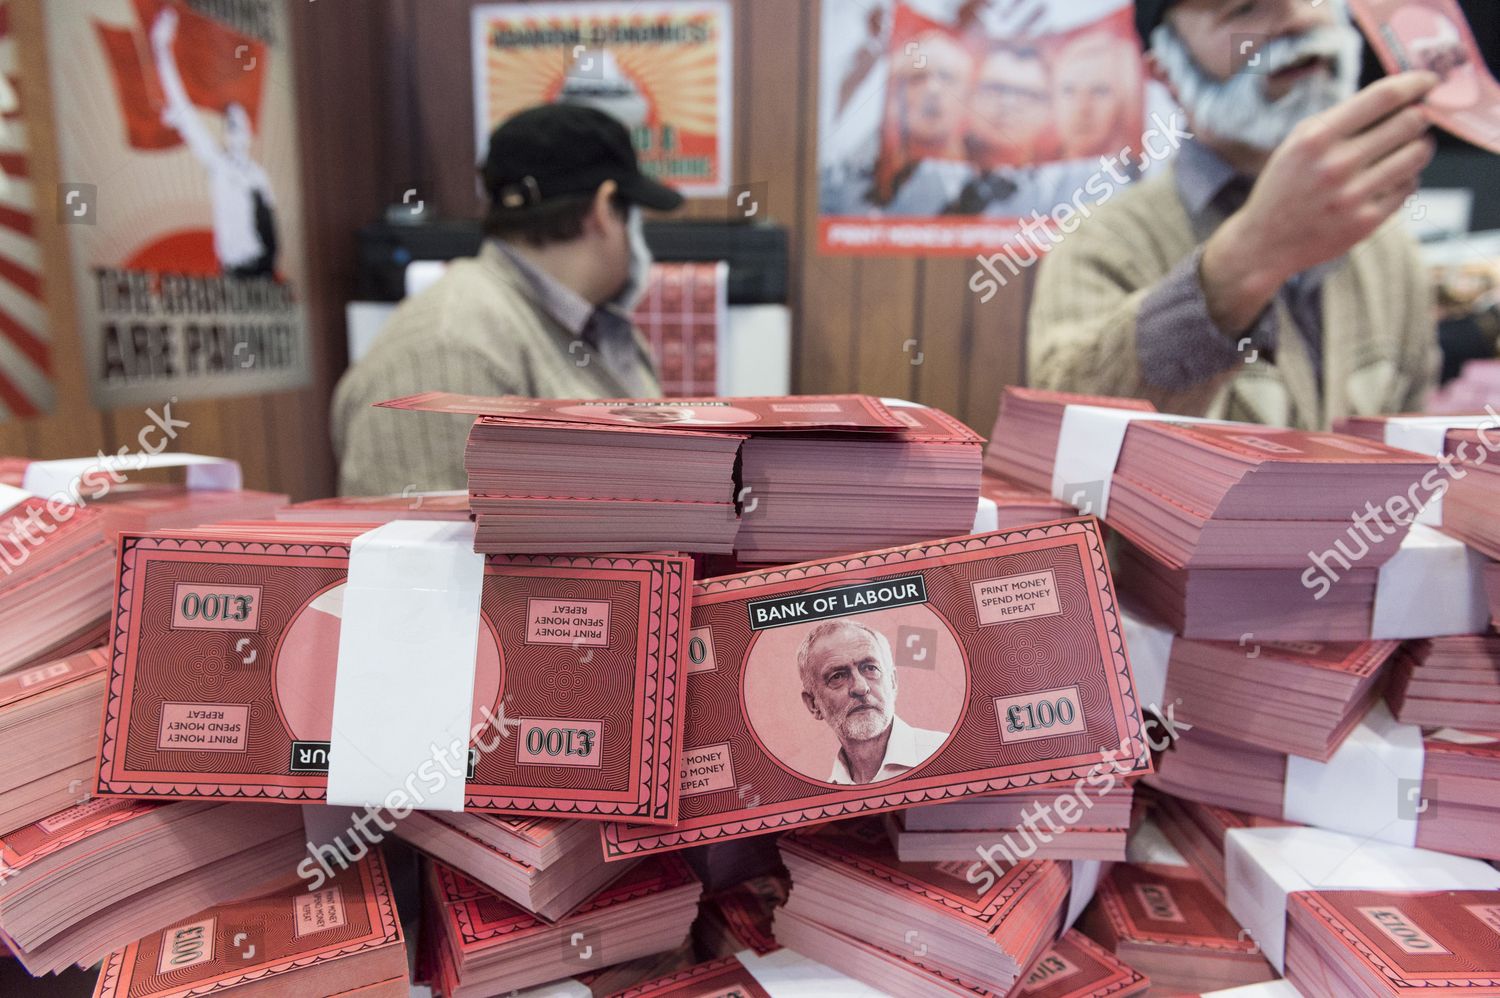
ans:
(1264, 274)
(849, 683)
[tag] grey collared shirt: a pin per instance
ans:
(1179, 344)
(606, 330)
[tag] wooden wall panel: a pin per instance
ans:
(386, 101)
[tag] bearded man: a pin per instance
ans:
(1263, 276)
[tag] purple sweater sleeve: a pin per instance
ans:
(1178, 343)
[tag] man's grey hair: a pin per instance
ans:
(829, 628)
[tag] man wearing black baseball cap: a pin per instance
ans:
(542, 311)
(1263, 275)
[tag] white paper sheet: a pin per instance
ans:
(1432, 587)
(1370, 787)
(405, 679)
(1148, 646)
(58, 478)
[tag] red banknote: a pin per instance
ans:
(763, 415)
(967, 666)
(223, 673)
(1435, 35)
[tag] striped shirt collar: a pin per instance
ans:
(566, 306)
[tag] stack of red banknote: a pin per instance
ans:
(1460, 786)
(1252, 497)
(772, 479)
(1198, 832)
(485, 945)
(857, 908)
(538, 486)
(95, 877)
(1300, 698)
(1023, 445)
(1167, 923)
(1451, 682)
(343, 940)
(1083, 823)
(56, 705)
(55, 580)
(272, 594)
(13, 470)
(1272, 604)
(132, 508)
(379, 509)
(544, 865)
(1492, 591)
(819, 494)
(1388, 944)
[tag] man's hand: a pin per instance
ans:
(1327, 188)
(164, 28)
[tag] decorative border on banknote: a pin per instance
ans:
(656, 788)
(1397, 979)
(1084, 529)
(385, 930)
(1112, 903)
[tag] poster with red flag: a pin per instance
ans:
(25, 340)
(953, 127)
(180, 193)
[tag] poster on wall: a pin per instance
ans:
(662, 68)
(25, 340)
(944, 126)
(180, 195)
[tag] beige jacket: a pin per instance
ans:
(1380, 349)
(480, 330)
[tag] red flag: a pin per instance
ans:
(219, 67)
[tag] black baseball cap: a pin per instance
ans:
(1148, 16)
(560, 150)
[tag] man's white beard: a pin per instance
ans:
(866, 725)
(1237, 109)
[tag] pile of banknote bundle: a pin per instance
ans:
(1094, 823)
(343, 939)
(97, 876)
(1448, 682)
(56, 705)
(1167, 923)
(770, 479)
(483, 944)
(1300, 698)
(904, 927)
(55, 579)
